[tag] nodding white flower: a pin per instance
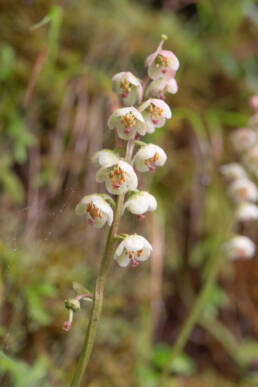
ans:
(133, 248)
(243, 139)
(243, 190)
(140, 202)
(162, 64)
(128, 87)
(104, 157)
(98, 211)
(251, 159)
(119, 177)
(240, 247)
(149, 157)
(253, 102)
(128, 122)
(253, 122)
(155, 112)
(161, 86)
(233, 171)
(247, 211)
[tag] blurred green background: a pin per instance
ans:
(55, 82)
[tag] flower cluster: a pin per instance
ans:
(142, 110)
(242, 190)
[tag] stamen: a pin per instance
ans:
(125, 86)
(156, 113)
(131, 254)
(117, 177)
(151, 162)
(128, 120)
(162, 61)
(94, 213)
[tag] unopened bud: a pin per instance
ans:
(72, 304)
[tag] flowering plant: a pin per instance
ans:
(242, 190)
(143, 110)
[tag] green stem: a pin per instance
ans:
(192, 317)
(100, 283)
(98, 297)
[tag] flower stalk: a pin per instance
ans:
(120, 178)
(98, 295)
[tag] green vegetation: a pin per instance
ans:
(56, 62)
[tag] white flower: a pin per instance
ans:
(162, 64)
(128, 122)
(161, 86)
(119, 177)
(155, 112)
(128, 87)
(149, 157)
(104, 157)
(233, 171)
(243, 190)
(141, 202)
(133, 248)
(251, 159)
(240, 247)
(247, 211)
(243, 139)
(97, 210)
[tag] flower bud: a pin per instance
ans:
(160, 87)
(162, 64)
(149, 157)
(240, 247)
(247, 211)
(128, 88)
(98, 211)
(128, 122)
(119, 177)
(155, 112)
(140, 202)
(233, 171)
(104, 157)
(243, 139)
(72, 304)
(133, 248)
(243, 190)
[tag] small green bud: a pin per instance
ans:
(72, 304)
(164, 37)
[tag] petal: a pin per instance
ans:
(101, 174)
(172, 86)
(120, 248)
(123, 260)
(104, 157)
(164, 106)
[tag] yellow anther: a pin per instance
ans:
(94, 211)
(156, 111)
(128, 120)
(117, 176)
(125, 85)
(162, 61)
